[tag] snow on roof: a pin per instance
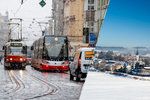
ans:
(147, 55)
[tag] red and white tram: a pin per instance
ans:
(50, 53)
(15, 54)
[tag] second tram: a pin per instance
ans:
(15, 54)
(50, 53)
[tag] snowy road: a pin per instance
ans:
(31, 84)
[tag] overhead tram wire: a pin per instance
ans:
(22, 2)
(17, 10)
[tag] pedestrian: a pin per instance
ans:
(1, 59)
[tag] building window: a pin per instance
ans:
(90, 1)
(90, 7)
(90, 15)
(92, 23)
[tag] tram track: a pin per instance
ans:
(30, 84)
(18, 85)
(11, 81)
(15, 80)
(14, 86)
(50, 90)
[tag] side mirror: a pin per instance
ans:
(24, 50)
(24, 47)
(32, 47)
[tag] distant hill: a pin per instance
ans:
(142, 50)
(111, 48)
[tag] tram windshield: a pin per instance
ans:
(56, 48)
(15, 50)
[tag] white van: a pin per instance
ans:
(81, 63)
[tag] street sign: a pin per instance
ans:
(42, 3)
(92, 38)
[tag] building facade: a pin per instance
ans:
(4, 30)
(94, 14)
(78, 19)
(82, 17)
(73, 20)
(101, 12)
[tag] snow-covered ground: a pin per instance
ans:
(103, 86)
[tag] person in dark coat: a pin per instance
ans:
(1, 57)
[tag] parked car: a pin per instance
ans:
(81, 63)
(96, 62)
(110, 65)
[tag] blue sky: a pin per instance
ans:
(126, 24)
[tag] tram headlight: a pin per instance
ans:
(10, 59)
(7, 59)
(21, 59)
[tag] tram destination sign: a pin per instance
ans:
(16, 44)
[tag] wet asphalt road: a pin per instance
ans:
(31, 84)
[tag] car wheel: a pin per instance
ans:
(77, 75)
(71, 76)
(23, 68)
(6, 67)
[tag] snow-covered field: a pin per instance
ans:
(102, 86)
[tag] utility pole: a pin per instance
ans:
(51, 27)
(44, 24)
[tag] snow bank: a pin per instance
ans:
(102, 86)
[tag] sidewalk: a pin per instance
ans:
(102, 86)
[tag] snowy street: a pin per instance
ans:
(32, 84)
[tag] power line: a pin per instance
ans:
(17, 10)
(22, 2)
